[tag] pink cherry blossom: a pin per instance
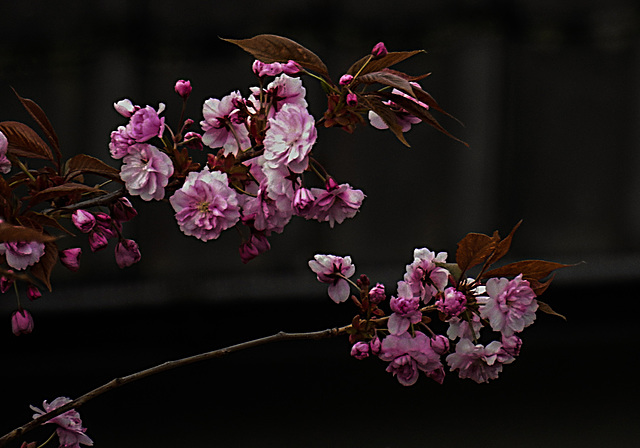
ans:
(5, 164)
(125, 108)
(146, 171)
(70, 258)
(145, 124)
(205, 205)
(22, 254)
(127, 253)
(424, 276)
(511, 305)
(452, 302)
(282, 90)
(409, 355)
(289, 139)
(223, 127)
(478, 362)
(405, 309)
(303, 201)
(334, 270)
(69, 424)
(275, 68)
(120, 143)
(335, 203)
(21, 322)
(360, 350)
(460, 328)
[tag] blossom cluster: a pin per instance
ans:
(407, 339)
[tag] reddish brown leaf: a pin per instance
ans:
(530, 269)
(40, 220)
(24, 141)
(474, 249)
(42, 269)
(84, 164)
(375, 65)
(62, 190)
(539, 287)
(387, 79)
(9, 232)
(41, 118)
(270, 48)
(387, 115)
(503, 246)
(547, 309)
(427, 99)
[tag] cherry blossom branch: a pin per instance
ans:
(169, 365)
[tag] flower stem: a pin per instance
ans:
(48, 440)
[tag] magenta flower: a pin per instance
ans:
(452, 302)
(120, 143)
(424, 276)
(70, 258)
(70, 431)
(406, 310)
(83, 220)
(5, 164)
(379, 50)
(303, 201)
(205, 205)
(183, 88)
(146, 171)
(122, 210)
(511, 305)
(408, 356)
(282, 90)
(289, 139)
(222, 125)
(478, 362)
(127, 253)
(360, 350)
(334, 270)
(263, 69)
(33, 293)
(22, 254)
(21, 322)
(377, 294)
(145, 124)
(335, 203)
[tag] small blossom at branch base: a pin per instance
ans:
(21, 322)
(146, 171)
(69, 424)
(360, 350)
(33, 293)
(83, 220)
(22, 254)
(406, 310)
(70, 258)
(511, 305)
(120, 143)
(127, 253)
(424, 276)
(145, 124)
(5, 163)
(452, 302)
(183, 88)
(477, 362)
(334, 270)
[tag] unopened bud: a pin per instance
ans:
(70, 258)
(33, 293)
(379, 50)
(183, 88)
(127, 253)
(21, 322)
(83, 220)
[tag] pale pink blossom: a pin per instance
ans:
(145, 124)
(511, 305)
(409, 355)
(146, 171)
(205, 205)
(125, 108)
(451, 302)
(460, 328)
(406, 310)
(334, 270)
(477, 362)
(223, 127)
(83, 220)
(5, 164)
(275, 68)
(127, 253)
(69, 424)
(282, 90)
(289, 139)
(70, 258)
(183, 88)
(21, 322)
(335, 203)
(22, 254)
(120, 143)
(424, 276)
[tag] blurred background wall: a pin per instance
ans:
(549, 95)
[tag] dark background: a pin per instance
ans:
(550, 97)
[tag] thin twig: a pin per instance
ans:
(169, 365)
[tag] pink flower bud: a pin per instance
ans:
(127, 253)
(70, 258)
(331, 184)
(345, 79)
(360, 350)
(21, 322)
(440, 344)
(183, 88)
(125, 108)
(6, 283)
(352, 99)
(97, 241)
(122, 210)
(83, 220)
(257, 244)
(377, 294)
(193, 140)
(375, 345)
(379, 50)
(33, 293)
(107, 225)
(303, 201)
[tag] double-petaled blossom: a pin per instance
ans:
(223, 126)
(5, 163)
(335, 203)
(70, 258)
(408, 355)
(477, 362)
(511, 305)
(120, 143)
(289, 139)
(22, 254)
(127, 253)
(275, 68)
(205, 205)
(406, 310)
(69, 424)
(146, 171)
(145, 124)
(21, 322)
(282, 90)
(334, 270)
(451, 302)
(424, 276)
